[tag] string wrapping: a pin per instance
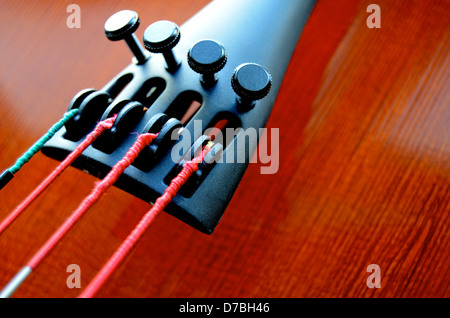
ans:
(127, 245)
(40, 143)
(98, 130)
(100, 188)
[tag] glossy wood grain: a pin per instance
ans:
(364, 176)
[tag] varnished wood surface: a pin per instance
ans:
(364, 176)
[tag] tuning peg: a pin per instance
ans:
(251, 82)
(207, 57)
(161, 37)
(121, 26)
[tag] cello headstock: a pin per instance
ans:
(213, 80)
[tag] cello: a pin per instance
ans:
(363, 176)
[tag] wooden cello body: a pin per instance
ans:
(364, 163)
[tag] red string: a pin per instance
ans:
(100, 188)
(127, 245)
(98, 130)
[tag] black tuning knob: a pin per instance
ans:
(161, 37)
(251, 82)
(207, 57)
(121, 26)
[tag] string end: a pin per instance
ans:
(14, 283)
(5, 177)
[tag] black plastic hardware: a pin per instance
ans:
(128, 116)
(251, 82)
(152, 153)
(90, 110)
(161, 37)
(207, 57)
(204, 167)
(252, 31)
(121, 26)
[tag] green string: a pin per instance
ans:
(40, 143)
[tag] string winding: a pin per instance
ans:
(90, 138)
(37, 146)
(8, 174)
(100, 187)
(127, 245)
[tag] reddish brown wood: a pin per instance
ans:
(364, 172)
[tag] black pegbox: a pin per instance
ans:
(232, 53)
